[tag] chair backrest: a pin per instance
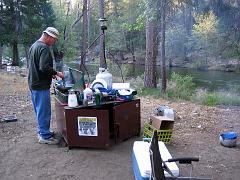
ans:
(158, 166)
(157, 172)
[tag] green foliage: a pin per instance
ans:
(114, 69)
(198, 62)
(198, 28)
(205, 34)
(137, 83)
(210, 99)
(206, 25)
(71, 44)
(180, 87)
(175, 40)
(155, 92)
(115, 37)
(135, 18)
(22, 22)
(5, 27)
(139, 25)
(230, 97)
(126, 27)
(36, 17)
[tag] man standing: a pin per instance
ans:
(40, 77)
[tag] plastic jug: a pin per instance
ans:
(106, 76)
(72, 98)
(87, 94)
(169, 113)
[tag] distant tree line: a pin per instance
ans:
(139, 32)
(21, 21)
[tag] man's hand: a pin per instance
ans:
(60, 74)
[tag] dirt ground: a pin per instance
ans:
(196, 133)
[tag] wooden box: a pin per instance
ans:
(161, 122)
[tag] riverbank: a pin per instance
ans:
(214, 64)
(196, 132)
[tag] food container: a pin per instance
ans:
(125, 95)
(228, 139)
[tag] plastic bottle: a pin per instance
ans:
(72, 99)
(169, 113)
(106, 76)
(88, 94)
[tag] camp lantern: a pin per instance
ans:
(103, 23)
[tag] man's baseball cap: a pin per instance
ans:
(53, 32)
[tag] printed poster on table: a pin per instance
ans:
(87, 126)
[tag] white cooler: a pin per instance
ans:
(141, 160)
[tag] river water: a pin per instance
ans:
(210, 80)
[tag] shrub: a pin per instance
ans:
(137, 83)
(180, 87)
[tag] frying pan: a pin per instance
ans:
(62, 87)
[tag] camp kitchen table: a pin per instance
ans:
(98, 126)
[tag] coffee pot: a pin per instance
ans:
(72, 98)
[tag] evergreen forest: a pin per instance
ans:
(153, 33)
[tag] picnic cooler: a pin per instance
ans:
(141, 160)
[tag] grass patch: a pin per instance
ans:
(210, 99)
(217, 98)
(227, 98)
(155, 92)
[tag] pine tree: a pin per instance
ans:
(23, 21)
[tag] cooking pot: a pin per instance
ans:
(62, 87)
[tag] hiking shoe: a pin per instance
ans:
(52, 133)
(50, 140)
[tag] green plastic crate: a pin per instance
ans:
(163, 135)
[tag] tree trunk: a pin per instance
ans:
(84, 36)
(89, 19)
(188, 23)
(1, 53)
(26, 55)
(15, 61)
(133, 58)
(102, 37)
(16, 26)
(161, 43)
(150, 61)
